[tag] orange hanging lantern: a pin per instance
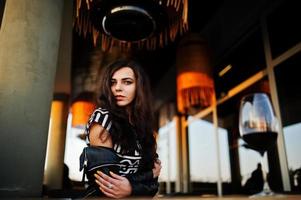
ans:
(195, 85)
(81, 109)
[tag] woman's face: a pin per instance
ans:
(123, 86)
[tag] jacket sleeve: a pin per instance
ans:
(145, 188)
(141, 176)
(143, 183)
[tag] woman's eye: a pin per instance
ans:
(128, 82)
(113, 82)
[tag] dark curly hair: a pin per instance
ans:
(136, 122)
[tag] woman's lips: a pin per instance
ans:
(119, 97)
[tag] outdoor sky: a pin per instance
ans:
(202, 148)
(203, 157)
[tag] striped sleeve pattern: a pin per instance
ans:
(100, 116)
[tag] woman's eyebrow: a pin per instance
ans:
(127, 78)
(123, 79)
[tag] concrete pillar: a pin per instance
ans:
(179, 178)
(54, 165)
(183, 183)
(185, 155)
(29, 43)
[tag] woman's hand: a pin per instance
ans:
(115, 186)
(157, 168)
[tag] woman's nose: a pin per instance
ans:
(118, 87)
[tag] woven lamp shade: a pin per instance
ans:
(195, 85)
(81, 109)
(131, 24)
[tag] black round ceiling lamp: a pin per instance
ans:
(131, 23)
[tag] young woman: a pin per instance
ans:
(124, 122)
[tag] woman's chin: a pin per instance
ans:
(122, 104)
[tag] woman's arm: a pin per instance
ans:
(146, 183)
(99, 136)
(115, 186)
(119, 187)
(145, 176)
(139, 184)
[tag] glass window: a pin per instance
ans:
(246, 60)
(283, 27)
(75, 142)
(224, 153)
(167, 150)
(203, 157)
(289, 93)
(242, 159)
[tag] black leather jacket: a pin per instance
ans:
(98, 158)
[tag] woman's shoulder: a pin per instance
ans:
(101, 116)
(101, 110)
(99, 120)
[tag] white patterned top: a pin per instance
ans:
(131, 161)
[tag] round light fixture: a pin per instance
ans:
(129, 23)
